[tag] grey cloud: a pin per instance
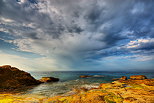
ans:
(77, 30)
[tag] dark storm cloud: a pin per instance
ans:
(28, 13)
(131, 15)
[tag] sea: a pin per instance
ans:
(70, 80)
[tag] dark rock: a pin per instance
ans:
(122, 78)
(138, 77)
(49, 79)
(85, 76)
(95, 76)
(130, 99)
(12, 78)
(116, 79)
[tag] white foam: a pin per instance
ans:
(90, 86)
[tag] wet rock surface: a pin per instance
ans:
(120, 91)
(85, 76)
(138, 77)
(49, 79)
(122, 78)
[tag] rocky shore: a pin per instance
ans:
(11, 78)
(133, 89)
(14, 80)
(120, 91)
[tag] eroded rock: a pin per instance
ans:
(12, 78)
(138, 77)
(85, 76)
(49, 79)
(130, 99)
(95, 76)
(122, 78)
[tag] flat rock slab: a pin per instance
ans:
(49, 79)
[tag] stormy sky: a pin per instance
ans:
(77, 35)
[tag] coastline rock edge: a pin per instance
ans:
(13, 78)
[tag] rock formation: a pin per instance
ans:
(138, 77)
(12, 78)
(85, 76)
(122, 78)
(49, 79)
(120, 91)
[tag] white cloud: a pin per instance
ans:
(143, 57)
(6, 20)
(139, 43)
(30, 64)
(21, 1)
(71, 45)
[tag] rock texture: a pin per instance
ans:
(138, 77)
(120, 91)
(12, 78)
(85, 76)
(122, 78)
(49, 79)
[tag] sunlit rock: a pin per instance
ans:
(138, 77)
(49, 79)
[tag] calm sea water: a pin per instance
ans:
(71, 79)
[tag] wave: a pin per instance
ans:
(90, 86)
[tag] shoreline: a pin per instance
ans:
(15, 83)
(119, 91)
